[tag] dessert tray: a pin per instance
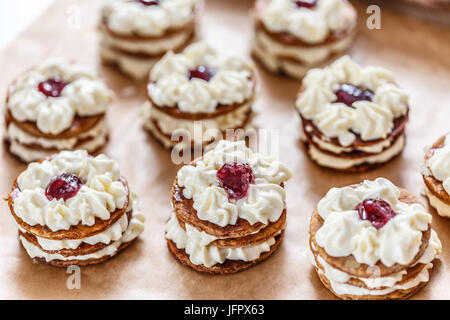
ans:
(416, 51)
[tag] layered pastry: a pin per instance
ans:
(57, 105)
(291, 37)
(74, 209)
(352, 118)
(135, 34)
(436, 175)
(372, 241)
(194, 97)
(229, 209)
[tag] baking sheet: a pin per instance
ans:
(417, 52)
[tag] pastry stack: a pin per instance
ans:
(198, 96)
(436, 175)
(352, 118)
(57, 105)
(74, 209)
(229, 209)
(291, 37)
(372, 241)
(135, 34)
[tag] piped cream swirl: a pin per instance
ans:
(310, 25)
(84, 95)
(344, 233)
(101, 194)
(265, 200)
(230, 84)
(370, 119)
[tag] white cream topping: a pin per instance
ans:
(101, 194)
(310, 25)
(265, 200)
(344, 233)
(134, 229)
(197, 245)
(439, 164)
(131, 17)
(84, 95)
(230, 84)
(370, 119)
(337, 162)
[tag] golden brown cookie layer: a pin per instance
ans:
(229, 266)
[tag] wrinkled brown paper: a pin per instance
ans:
(417, 53)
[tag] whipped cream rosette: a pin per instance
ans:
(198, 94)
(74, 209)
(372, 241)
(436, 175)
(229, 209)
(135, 34)
(291, 37)
(353, 118)
(57, 105)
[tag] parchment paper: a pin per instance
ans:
(417, 52)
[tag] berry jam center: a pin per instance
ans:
(52, 87)
(149, 2)
(306, 3)
(378, 212)
(64, 187)
(348, 93)
(235, 179)
(201, 72)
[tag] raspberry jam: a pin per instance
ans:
(378, 212)
(348, 93)
(52, 87)
(201, 72)
(64, 187)
(235, 179)
(306, 3)
(149, 2)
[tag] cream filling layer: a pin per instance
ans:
(310, 56)
(338, 278)
(374, 148)
(113, 233)
(15, 133)
(157, 46)
(169, 125)
(136, 67)
(289, 67)
(441, 207)
(133, 230)
(336, 162)
(196, 245)
(30, 154)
